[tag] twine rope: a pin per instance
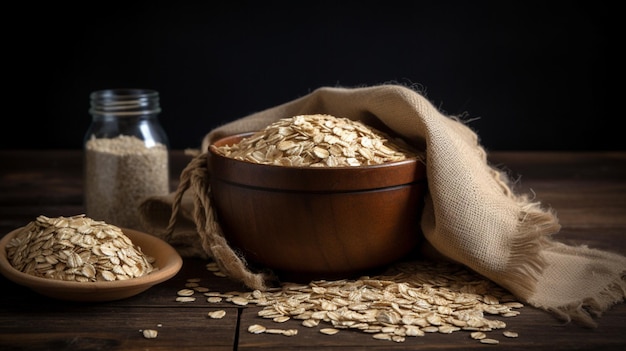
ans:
(195, 176)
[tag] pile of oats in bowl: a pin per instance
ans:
(319, 141)
(76, 248)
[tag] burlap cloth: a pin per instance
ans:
(472, 214)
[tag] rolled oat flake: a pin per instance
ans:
(126, 155)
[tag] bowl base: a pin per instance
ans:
(305, 277)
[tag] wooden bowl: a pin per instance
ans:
(168, 262)
(317, 222)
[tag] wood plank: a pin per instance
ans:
(588, 191)
(73, 327)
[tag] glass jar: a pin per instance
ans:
(126, 155)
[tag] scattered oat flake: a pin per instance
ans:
(241, 301)
(185, 292)
(256, 329)
(478, 335)
(410, 299)
(329, 331)
(398, 338)
(150, 333)
(510, 334)
(489, 341)
(290, 332)
(217, 314)
(185, 299)
(310, 323)
(281, 319)
(212, 266)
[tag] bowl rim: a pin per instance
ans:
(213, 146)
(345, 178)
(167, 260)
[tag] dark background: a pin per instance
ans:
(528, 75)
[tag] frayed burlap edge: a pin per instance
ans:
(583, 312)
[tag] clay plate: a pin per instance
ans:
(167, 259)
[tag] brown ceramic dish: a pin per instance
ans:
(167, 259)
(318, 222)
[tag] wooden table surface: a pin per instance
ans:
(588, 191)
